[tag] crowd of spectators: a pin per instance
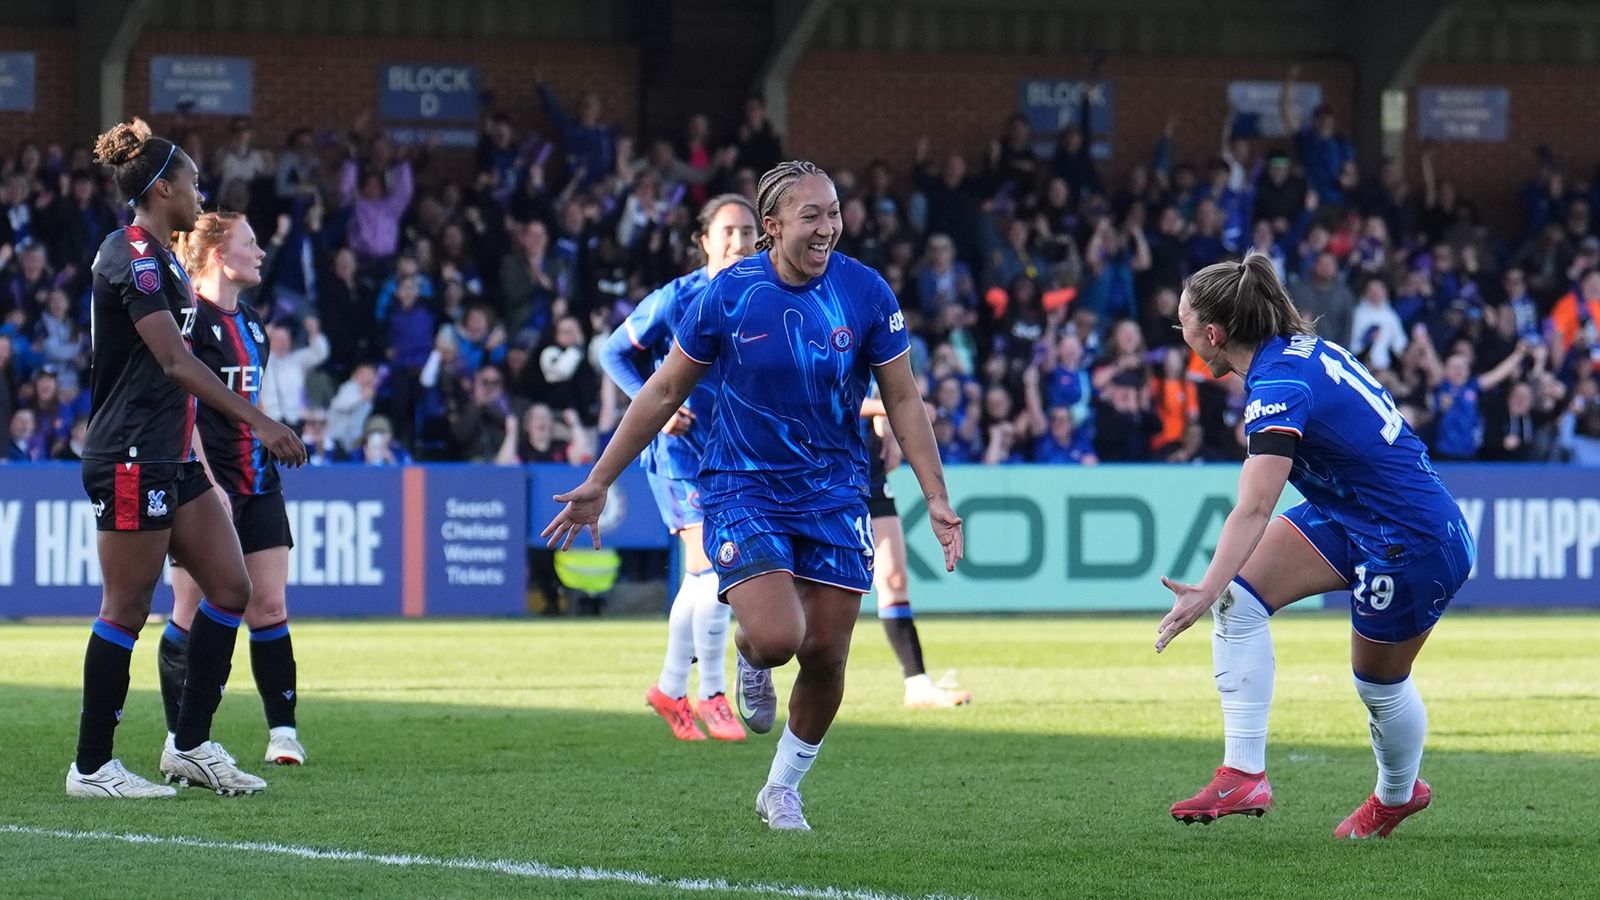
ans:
(420, 314)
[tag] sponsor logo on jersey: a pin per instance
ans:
(727, 554)
(1257, 409)
(843, 339)
(156, 505)
(139, 247)
(255, 332)
(146, 275)
(217, 331)
(897, 322)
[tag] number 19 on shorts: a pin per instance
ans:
(1377, 593)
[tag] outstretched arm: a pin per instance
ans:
(908, 418)
(1491, 379)
(660, 397)
(1260, 483)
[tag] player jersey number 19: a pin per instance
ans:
(1364, 384)
(863, 529)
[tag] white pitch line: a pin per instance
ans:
(529, 869)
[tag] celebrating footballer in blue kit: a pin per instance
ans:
(789, 338)
(1376, 521)
(697, 625)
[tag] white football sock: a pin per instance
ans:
(711, 617)
(1241, 655)
(792, 761)
(674, 680)
(1399, 723)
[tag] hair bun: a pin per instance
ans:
(122, 143)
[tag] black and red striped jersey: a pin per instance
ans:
(136, 413)
(233, 345)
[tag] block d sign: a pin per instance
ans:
(444, 93)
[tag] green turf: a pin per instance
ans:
(528, 741)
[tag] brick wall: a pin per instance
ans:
(324, 82)
(55, 87)
(1551, 105)
(847, 107)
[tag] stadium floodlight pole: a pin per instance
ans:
(773, 82)
(105, 33)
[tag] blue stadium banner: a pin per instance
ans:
(474, 520)
(630, 520)
(206, 85)
(348, 528)
(428, 91)
(1258, 110)
(1463, 113)
(1050, 106)
(1538, 533)
(17, 82)
(369, 541)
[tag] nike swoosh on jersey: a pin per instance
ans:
(748, 338)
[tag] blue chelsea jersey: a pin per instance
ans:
(1357, 460)
(790, 365)
(649, 329)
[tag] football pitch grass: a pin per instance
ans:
(477, 759)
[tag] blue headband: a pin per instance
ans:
(134, 200)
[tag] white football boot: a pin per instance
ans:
(112, 780)
(209, 766)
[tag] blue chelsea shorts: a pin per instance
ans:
(1391, 600)
(833, 547)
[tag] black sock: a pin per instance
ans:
(902, 632)
(272, 661)
(211, 638)
(105, 689)
(172, 662)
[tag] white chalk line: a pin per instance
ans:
(528, 869)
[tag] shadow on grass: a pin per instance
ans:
(907, 810)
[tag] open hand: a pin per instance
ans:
(583, 506)
(1190, 605)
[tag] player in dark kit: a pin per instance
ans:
(150, 497)
(229, 339)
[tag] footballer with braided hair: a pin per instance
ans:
(790, 337)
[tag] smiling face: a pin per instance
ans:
(804, 228)
(730, 236)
